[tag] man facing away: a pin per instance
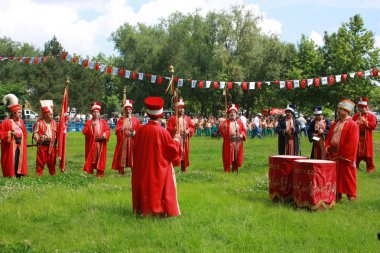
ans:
(154, 190)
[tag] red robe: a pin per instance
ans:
(224, 131)
(90, 146)
(154, 190)
(124, 145)
(185, 145)
(8, 147)
(368, 150)
(45, 154)
(345, 156)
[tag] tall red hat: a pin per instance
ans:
(128, 103)
(233, 107)
(154, 107)
(96, 106)
(47, 106)
(13, 102)
(363, 102)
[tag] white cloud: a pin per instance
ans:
(317, 38)
(85, 26)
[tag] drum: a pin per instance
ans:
(314, 183)
(281, 176)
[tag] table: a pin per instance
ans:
(314, 183)
(281, 176)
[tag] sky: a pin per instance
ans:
(84, 27)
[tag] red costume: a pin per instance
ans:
(186, 131)
(341, 144)
(233, 150)
(45, 134)
(153, 178)
(97, 133)
(123, 156)
(13, 134)
(367, 123)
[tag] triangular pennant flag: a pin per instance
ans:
(180, 82)
(352, 75)
(222, 85)
(338, 78)
(309, 82)
(282, 84)
(193, 83)
(251, 85)
(324, 80)
(153, 78)
(208, 84)
(127, 74)
(296, 83)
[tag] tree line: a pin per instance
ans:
(223, 45)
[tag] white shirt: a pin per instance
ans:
(244, 121)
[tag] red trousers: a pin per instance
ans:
(43, 157)
(99, 173)
(369, 162)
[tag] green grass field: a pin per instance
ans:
(75, 212)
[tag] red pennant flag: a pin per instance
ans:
(63, 55)
(375, 72)
(216, 85)
(229, 85)
(62, 128)
(317, 81)
(27, 60)
(10, 58)
(303, 83)
(97, 66)
(75, 58)
(44, 59)
(360, 74)
(331, 80)
(109, 70)
(148, 75)
(258, 85)
(85, 63)
(276, 82)
(244, 86)
(121, 72)
(289, 84)
(134, 75)
(160, 80)
(201, 84)
(35, 60)
(344, 77)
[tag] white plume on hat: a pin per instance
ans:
(11, 98)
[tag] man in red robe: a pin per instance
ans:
(317, 133)
(13, 134)
(97, 133)
(341, 146)
(126, 128)
(367, 123)
(45, 134)
(154, 190)
(234, 133)
(186, 130)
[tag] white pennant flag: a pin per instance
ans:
(251, 85)
(141, 76)
(268, 83)
(367, 73)
(91, 65)
(324, 80)
(238, 83)
(296, 83)
(80, 61)
(102, 67)
(127, 74)
(338, 78)
(222, 85)
(69, 57)
(193, 83)
(352, 75)
(115, 71)
(282, 84)
(208, 84)
(153, 78)
(180, 82)
(309, 82)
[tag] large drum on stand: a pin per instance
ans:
(314, 183)
(281, 176)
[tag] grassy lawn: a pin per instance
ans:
(74, 212)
